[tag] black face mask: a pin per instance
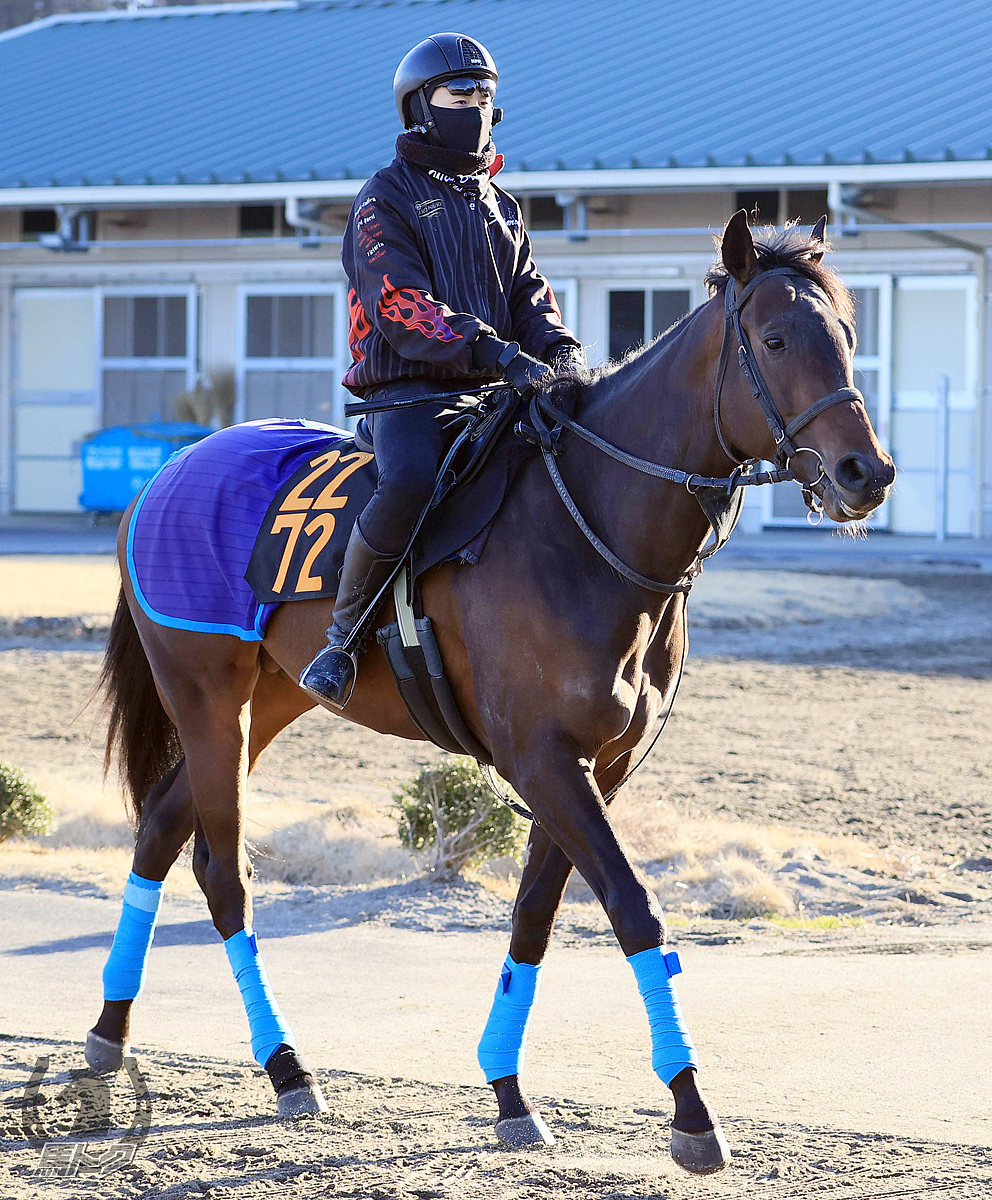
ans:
(466, 129)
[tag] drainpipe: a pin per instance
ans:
(842, 200)
(74, 230)
(576, 217)
(303, 218)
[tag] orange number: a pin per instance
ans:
(296, 501)
(327, 499)
(307, 582)
(294, 523)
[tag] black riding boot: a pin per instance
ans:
(331, 674)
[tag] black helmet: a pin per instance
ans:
(432, 61)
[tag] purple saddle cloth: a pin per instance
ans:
(194, 527)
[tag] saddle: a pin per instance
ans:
(300, 546)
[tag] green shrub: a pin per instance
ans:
(449, 811)
(24, 811)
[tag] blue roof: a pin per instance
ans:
(273, 92)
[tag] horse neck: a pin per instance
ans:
(659, 407)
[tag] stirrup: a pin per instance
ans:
(329, 697)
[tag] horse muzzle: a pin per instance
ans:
(855, 486)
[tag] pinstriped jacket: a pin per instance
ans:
(434, 260)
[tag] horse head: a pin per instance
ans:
(798, 327)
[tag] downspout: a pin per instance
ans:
(305, 222)
(846, 213)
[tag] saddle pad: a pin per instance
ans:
(195, 525)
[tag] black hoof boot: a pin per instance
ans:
(330, 676)
(297, 1092)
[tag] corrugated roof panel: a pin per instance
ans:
(305, 92)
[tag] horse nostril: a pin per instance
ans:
(854, 473)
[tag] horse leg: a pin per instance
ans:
(501, 1049)
(214, 731)
(165, 827)
(563, 793)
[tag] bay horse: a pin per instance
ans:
(559, 662)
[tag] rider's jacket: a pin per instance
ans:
(434, 260)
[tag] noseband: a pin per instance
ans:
(782, 433)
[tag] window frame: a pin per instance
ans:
(645, 284)
(335, 364)
(189, 362)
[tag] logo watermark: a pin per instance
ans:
(73, 1128)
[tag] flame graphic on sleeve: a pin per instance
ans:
(359, 327)
(412, 309)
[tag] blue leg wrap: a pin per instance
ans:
(671, 1047)
(501, 1048)
(124, 974)
(267, 1024)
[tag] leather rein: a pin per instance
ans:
(744, 474)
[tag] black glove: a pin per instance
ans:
(522, 372)
(567, 359)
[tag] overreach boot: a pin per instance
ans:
(330, 676)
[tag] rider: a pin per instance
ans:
(444, 295)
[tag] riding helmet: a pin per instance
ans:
(432, 61)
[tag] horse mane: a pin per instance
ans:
(789, 247)
(786, 247)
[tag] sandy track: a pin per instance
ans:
(391, 1138)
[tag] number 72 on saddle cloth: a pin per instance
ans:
(301, 542)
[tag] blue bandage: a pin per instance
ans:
(501, 1048)
(124, 974)
(671, 1047)
(267, 1024)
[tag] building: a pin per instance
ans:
(173, 184)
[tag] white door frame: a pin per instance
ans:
(337, 364)
(646, 284)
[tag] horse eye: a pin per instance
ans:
(774, 343)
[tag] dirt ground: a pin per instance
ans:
(824, 779)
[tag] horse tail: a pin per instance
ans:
(140, 736)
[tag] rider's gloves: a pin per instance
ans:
(522, 372)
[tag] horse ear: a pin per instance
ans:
(819, 234)
(737, 248)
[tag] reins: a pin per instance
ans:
(546, 437)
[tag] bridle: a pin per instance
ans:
(782, 433)
(546, 436)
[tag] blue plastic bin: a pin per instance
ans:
(119, 461)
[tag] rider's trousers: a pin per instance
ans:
(409, 444)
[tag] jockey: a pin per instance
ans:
(444, 295)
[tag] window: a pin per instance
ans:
(778, 205)
(289, 367)
(806, 206)
(290, 326)
(545, 213)
(36, 221)
(263, 220)
(144, 327)
(761, 207)
(637, 316)
(148, 355)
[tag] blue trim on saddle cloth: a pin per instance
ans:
(205, 505)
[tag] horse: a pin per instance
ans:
(562, 647)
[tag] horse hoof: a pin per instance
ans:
(517, 1133)
(301, 1102)
(103, 1057)
(701, 1153)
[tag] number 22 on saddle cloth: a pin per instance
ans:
(243, 520)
